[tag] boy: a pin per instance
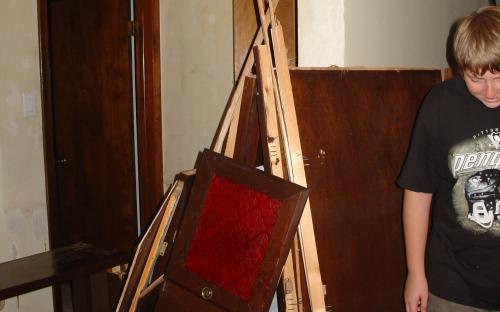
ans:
(454, 162)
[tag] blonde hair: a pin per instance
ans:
(477, 41)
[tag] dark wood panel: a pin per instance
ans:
(247, 145)
(93, 123)
(149, 124)
(355, 127)
(48, 268)
(175, 298)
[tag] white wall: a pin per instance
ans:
(23, 212)
(400, 33)
(320, 33)
(382, 33)
(197, 76)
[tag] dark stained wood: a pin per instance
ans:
(355, 128)
(292, 199)
(56, 266)
(175, 298)
(248, 137)
(106, 78)
(90, 67)
(90, 294)
(149, 297)
(116, 120)
(245, 17)
(48, 133)
(148, 82)
(48, 121)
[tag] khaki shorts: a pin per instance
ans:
(437, 304)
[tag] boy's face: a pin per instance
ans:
(485, 88)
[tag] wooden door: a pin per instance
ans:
(355, 128)
(92, 123)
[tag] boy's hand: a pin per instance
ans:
(416, 293)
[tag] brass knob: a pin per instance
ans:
(207, 293)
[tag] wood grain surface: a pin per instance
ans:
(355, 128)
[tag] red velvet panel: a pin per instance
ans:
(232, 236)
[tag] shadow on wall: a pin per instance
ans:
(450, 56)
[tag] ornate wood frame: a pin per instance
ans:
(292, 198)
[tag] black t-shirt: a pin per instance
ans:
(455, 154)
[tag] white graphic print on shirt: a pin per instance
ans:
(475, 163)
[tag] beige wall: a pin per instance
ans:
(401, 33)
(23, 212)
(382, 33)
(197, 76)
(320, 33)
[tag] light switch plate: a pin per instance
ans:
(29, 101)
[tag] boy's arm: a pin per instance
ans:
(416, 209)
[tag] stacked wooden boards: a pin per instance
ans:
(355, 126)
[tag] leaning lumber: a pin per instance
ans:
(296, 172)
(147, 251)
(235, 97)
(273, 154)
(272, 107)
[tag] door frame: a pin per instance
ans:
(146, 28)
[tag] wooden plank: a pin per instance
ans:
(295, 166)
(295, 257)
(153, 252)
(77, 261)
(296, 172)
(291, 275)
(235, 97)
(139, 260)
(233, 128)
(272, 153)
(271, 137)
(245, 22)
(145, 255)
(247, 145)
(149, 296)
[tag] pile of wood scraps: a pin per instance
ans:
(218, 242)
(259, 124)
(280, 139)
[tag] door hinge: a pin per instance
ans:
(162, 248)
